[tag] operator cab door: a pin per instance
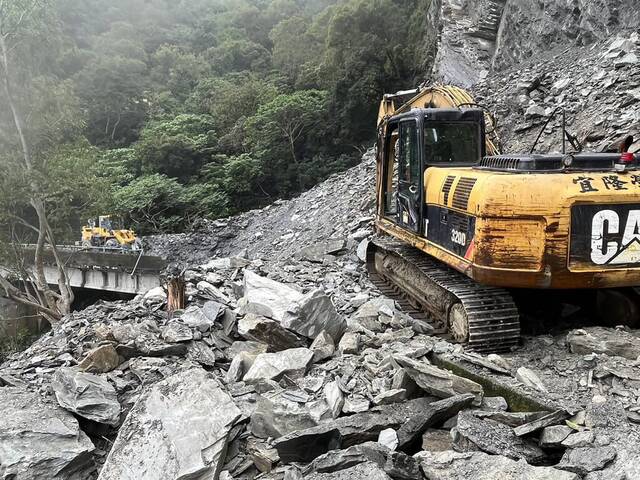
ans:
(403, 182)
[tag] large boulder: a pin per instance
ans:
(272, 366)
(87, 395)
(178, 429)
(306, 445)
(312, 314)
(451, 465)
(604, 340)
(196, 318)
(275, 416)
(40, 441)
(267, 297)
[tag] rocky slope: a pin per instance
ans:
(288, 363)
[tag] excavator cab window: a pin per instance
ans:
(409, 174)
(452, 143)
(392, 156)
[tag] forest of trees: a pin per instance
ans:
(165, 111)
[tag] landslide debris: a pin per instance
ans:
(288, 363)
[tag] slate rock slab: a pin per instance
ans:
(587, 459)
(306, 445)
(268, 331)
(40, 441)
(267, 297)
(312, 314)
(495, 438)
(438, 381)
(362, 471)
(272, 366)
(451, 465)
(178, 429)
(87, 395)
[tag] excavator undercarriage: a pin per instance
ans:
(484, 319)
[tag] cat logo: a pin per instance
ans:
(613, 243)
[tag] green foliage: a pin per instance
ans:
(177, 147)
(280, 133)
(199, 107)
(153, 203)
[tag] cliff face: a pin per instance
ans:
(526, 58)
(476, 38)
(528, 27)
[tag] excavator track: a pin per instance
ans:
(487, 317)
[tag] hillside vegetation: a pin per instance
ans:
(167, 111)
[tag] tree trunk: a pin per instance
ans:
(53, 305)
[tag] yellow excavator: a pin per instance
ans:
(464, 228)
(104, 233)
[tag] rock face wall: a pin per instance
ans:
(529, 27)
(474, 38)
(467, 39)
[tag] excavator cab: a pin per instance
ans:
(416, 141)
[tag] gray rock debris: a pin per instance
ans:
(579, 439)
(473, 433)
(434, 414)
(87, 395)
(480, 466)
(362, 471)
(323, 251)
(529, 378)
(553, 418)
(272, 366)
(195, 318)
(275, 416)
(323, 347)
(267, 297)
(306, 445)
(40, 441)
(437, 381)
(434, 440)
(604, 340)
(176, 332)
(553, 436)
(312, 314)
(349, 344)
(334, 397)
(587, 459)
(268, 331)
(177, 429)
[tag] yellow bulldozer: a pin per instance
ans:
(106, 233)
(464, 228)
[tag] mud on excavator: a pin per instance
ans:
(463, 228)
(106, 234)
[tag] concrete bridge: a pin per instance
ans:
(104, 269)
